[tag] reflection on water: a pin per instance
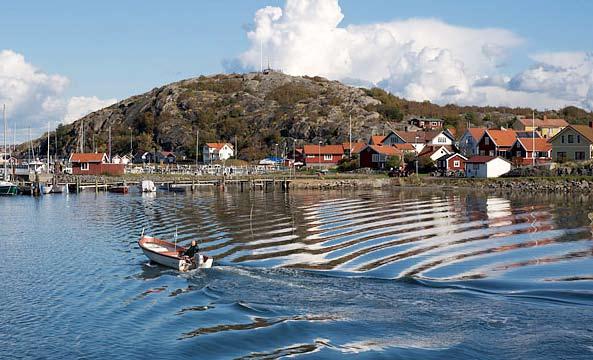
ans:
(412, 274)
(378, 235)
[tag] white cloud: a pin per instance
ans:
(33, 97)
(420, 59)
(566, 76)
(79, 106)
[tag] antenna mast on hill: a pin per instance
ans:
(261, 56)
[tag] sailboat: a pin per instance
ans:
(47, 188)
(6, 187)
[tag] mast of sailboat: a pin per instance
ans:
(48, 147)
(56, 149)
(5, 176)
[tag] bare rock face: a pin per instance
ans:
(260, 110)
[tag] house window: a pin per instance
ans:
(579, 155)
(456, 163)
(486, 140)
(571, 139)
(561, 155)
(442, 139)
(327, 157)
(578, 139)
(84, 166)
(563, 139)
(491, 152)
(378, 158)
(310, 156)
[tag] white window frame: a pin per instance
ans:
(84, 166)
(328, 157)
(456, 163)
(486, 140)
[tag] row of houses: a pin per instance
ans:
(477, 152)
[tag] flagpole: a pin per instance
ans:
(533, 137)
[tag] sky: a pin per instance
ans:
(62, 59)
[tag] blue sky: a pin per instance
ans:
(115, 49)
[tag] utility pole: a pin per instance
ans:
(350, 135)
(131, 144)
(533, 137)
(197, 147)
(319, 154)
(82, 135)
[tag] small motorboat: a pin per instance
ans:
(119, 189)
(170, 254)
(57, 189)
(177, 188)
(147, 186)
(8, 188)
(46, 188)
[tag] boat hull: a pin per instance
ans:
(168, 254)
(8, 190)
(119, 189)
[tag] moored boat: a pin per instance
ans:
(147, 186)
(170, 255)
(46, 188)
(8, 188)
(119, 189)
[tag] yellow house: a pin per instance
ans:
(574, 142)
(546, 128)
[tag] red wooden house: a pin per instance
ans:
(496, 143)
(376, 156)
(525, 150)
(322, 155)
(94, 164)
(451, 162)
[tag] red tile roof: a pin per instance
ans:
(479, 159)
(404, 147)
(502, 137)
(584, 130)
(323, 149)
(386, 150)
(217, 146)
(538, 144)
(377, 139)
(476, 133)
(87, 157)
(431, 149)
(356, 146)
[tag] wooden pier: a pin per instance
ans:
(254, 184)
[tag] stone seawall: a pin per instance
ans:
(544, 184)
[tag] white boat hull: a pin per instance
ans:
(167, 254)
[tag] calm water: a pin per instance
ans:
(409, 274)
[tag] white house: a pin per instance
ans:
(217, 151)
(480, 166)
(419, 139)
(435, 152)
(126, 159)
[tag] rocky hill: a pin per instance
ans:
(259, 110)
